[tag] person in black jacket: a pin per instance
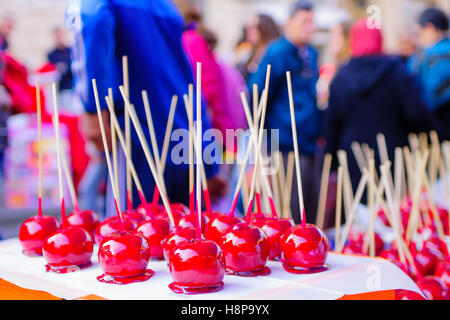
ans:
(373, 93)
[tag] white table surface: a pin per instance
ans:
(348, 275)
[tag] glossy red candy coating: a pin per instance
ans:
(436, 247)
(349, 250)
(259, 219)
(124, 254)
(219, 227)
(443, 217)
(425, 259)
(149, 209)
(69, 246)
(155, 231)
(382, 216)
(182, 208)
(34, 231)
(189, 221)
(210, 216)
(356, 243)
(197, 263)
(443, 271)
(177, 211)
(246, 248)
(433, 288)
(304, 247)
(407, 295)
(274, 229)
(135, 216)
(86, 219)
(174, 238)
(111, 225)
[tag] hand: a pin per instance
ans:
(217, 188)
(92, 132)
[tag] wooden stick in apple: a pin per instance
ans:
(289, 179)
(382, 148)
(126, 86)
(359, 155)
(281, 179)
(337, 227)
(296, 152)
(347, 185)
(39, 125)
(323, 190)
(108, 159)
(69, 180)
(413, 142)
(114, 144)
(199, 155)
(188, 102)
(58, 148)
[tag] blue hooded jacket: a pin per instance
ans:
(283, 56)
(148, 32)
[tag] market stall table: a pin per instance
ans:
(349, 277)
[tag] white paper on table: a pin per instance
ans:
(347, 275)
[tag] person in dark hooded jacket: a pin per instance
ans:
(373, 93)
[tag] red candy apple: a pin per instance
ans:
(356, 243)
(150, 210)
(425, 259)
(175, 237)
(433, 288)
(135, 216)
(123, 257)
(67, 249)
(155, 231)
(304, 248)
(180, 207)
(274, 229)
(86, 219)
(111, 225)
(219, 227)
(197, 266)
(210, 215)
(443, 271)
(34, 231)
(246, 250)
(189, 221)
(259, 219)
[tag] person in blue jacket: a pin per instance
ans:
(148, 32)
(432, 64)
(293, 53)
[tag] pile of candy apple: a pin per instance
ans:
(430, 265)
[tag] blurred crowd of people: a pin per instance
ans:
(356, 92)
